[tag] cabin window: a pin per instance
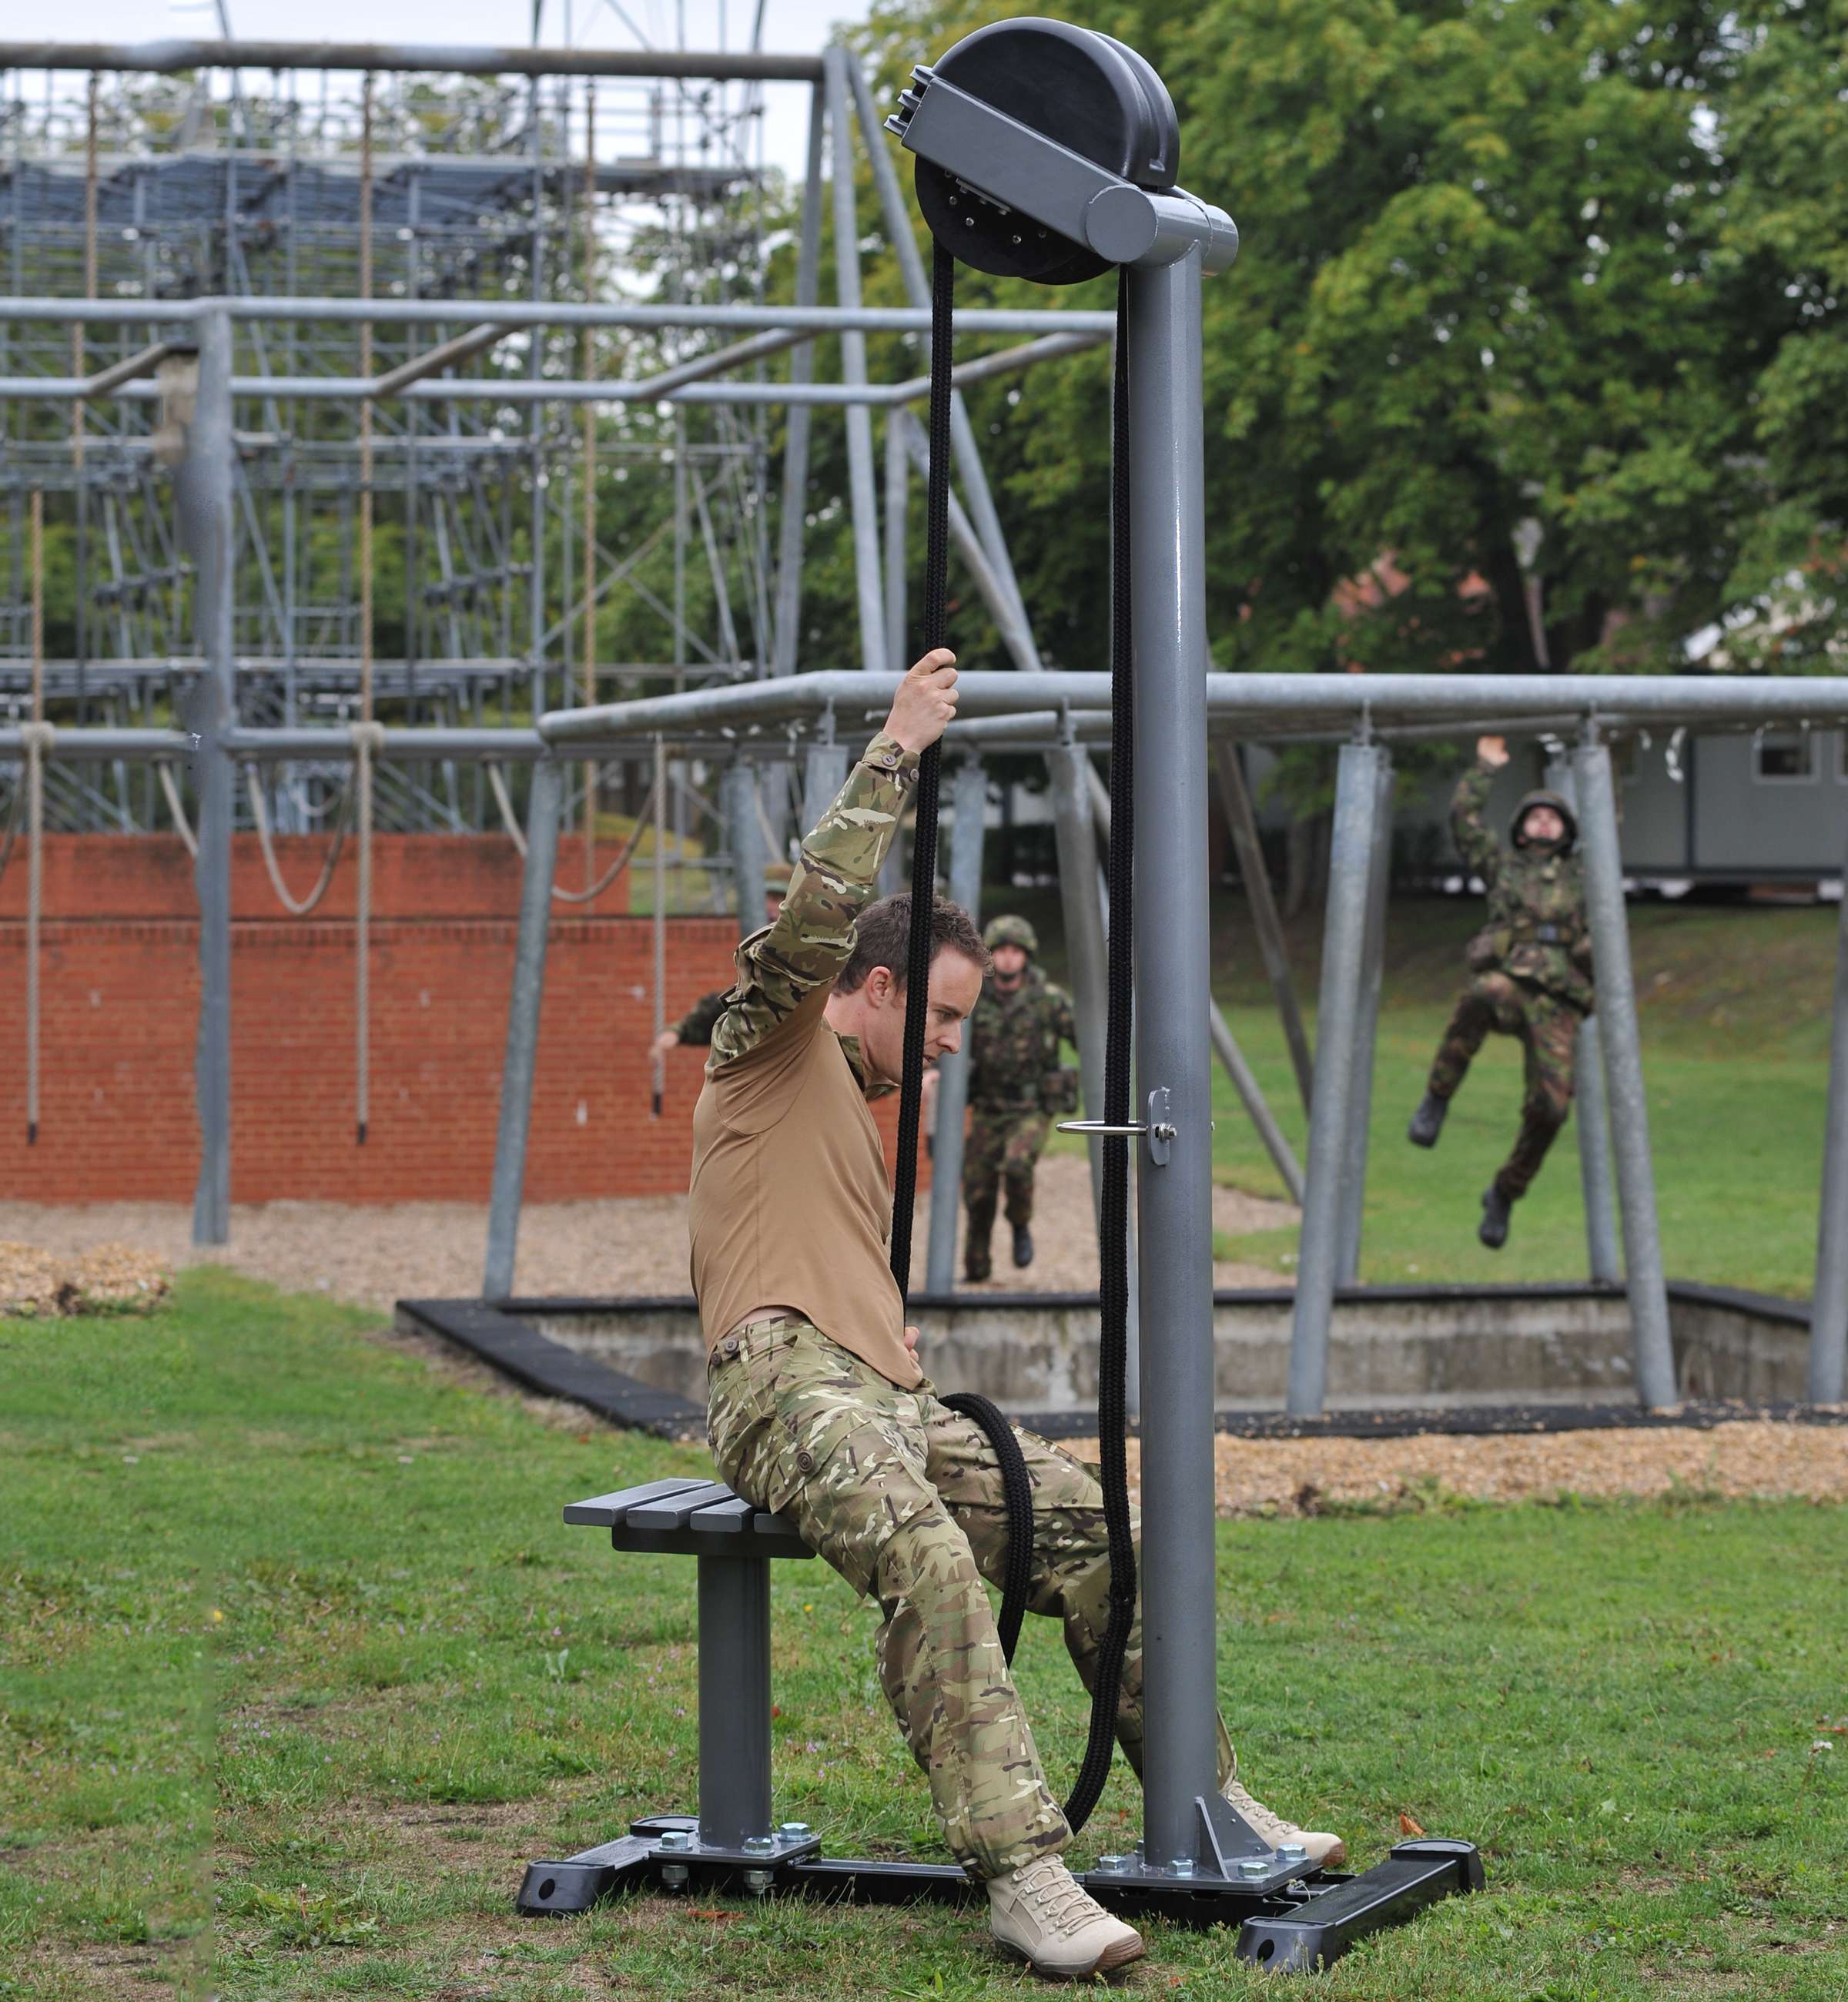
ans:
(1784, 757)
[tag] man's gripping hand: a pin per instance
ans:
(925, 702)
(1493, 752)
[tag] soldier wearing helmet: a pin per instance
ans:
(1017, 1086)
(1532, 969)
(694, 1029)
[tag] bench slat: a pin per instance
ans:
(673, 1512)
(604, 1511)
(725, 1518)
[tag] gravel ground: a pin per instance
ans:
(373, 1256)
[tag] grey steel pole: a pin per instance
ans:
(1174, 1058)
(1829, 1309)
(746, 838)
(862, 496)
(898, 477)
(203, 494)
(1366, 1031)
(1623, 1072)
(968, 808)
(1235, 798)
(795, 430)
(1085, 944)
(1592, 1113)
(1244, 1082)
(1343, 949)
(523, 1028)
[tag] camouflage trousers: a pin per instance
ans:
(903, 1497)
(1003, 1150)
(1548, 1030)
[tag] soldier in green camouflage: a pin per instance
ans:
(1532, 964)
(818, 1409)
(694, 1029)
(1017, 1086)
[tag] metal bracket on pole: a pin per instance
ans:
(1157, 1129)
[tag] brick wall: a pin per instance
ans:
(119, 974)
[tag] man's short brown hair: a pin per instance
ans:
(882, 937)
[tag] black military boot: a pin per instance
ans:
(1493, 1229)
(1023, 1245)
(1427, 1121)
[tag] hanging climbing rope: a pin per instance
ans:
(169, 787)
(1114, 1205)
(36, 738)
(510, 822)
(368, 743)
(297, 907)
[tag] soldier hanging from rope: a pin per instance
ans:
(1017, 1087)
(1532, 969)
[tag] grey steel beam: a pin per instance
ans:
(1828, 1305)
(1173, 1056)
(1623, 1072)
(795, 435)
(1244, 1082)
(862, 501)
(1366, 1031)
(1592, 1112)
(434, 360)
(1009, 361)
(175, 58)
(556, 312)
(968, 808)
(521, 1062)
(1344, 951)
(1241, 821)
(203, 494)
(734, 355)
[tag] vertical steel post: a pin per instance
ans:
(862, 494)
(824, 773)
(897, 475)
(1592, 1112)
(203, 491)
(1366, 1031)
(542, 814)
(968, 808)
(1173, 1057)
(796, 423)
(1085, 943)
(1344, 946)
(734, 1700)
(1623, 1074)
(1829, 1308)
(746, 839)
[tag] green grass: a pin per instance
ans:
(298, 1666)
(1733, 1004)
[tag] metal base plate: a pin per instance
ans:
(1295, 1926)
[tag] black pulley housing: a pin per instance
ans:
(1086, 91)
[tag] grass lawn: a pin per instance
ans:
(298, 1666)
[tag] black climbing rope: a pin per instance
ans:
(1113, 1365)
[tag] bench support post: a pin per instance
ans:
(734, 1701)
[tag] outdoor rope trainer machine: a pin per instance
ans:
(1051, 152)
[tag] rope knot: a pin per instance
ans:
(36, 739)
(368, 738)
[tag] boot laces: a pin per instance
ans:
(1061, 1902)
(1272, 1827)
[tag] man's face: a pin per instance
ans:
(1543, 827)
(955, 988)
(772, 907)
(1009, 963)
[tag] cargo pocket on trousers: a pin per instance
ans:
(850, 1481)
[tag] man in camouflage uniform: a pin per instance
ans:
(819, 1410)
(1533, 969)
(694, 1029)
(1016, 1085)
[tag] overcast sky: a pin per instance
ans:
(789, 24)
